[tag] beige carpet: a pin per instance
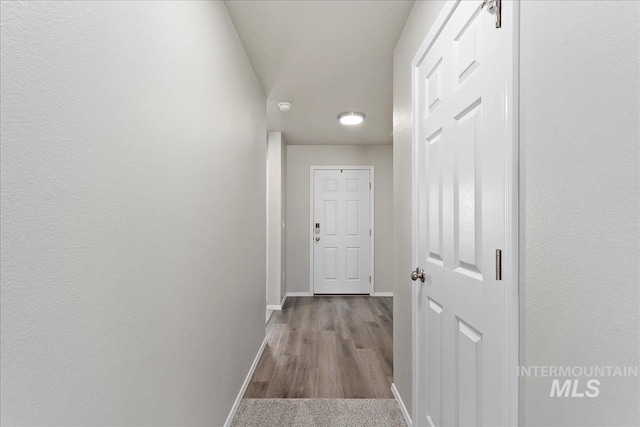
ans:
(318, 412)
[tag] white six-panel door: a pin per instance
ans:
(462, 94)
(341, 231)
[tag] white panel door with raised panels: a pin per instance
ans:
(461, 94)
(341, 235)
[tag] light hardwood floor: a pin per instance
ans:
(327, 347)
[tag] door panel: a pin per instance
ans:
(330, 216)
(434, 359)
(461, 137)
(469, 375)
(434, 210)
(353, 218)
(341, 245)
(353, 263)
(330, 263)
(468, 190)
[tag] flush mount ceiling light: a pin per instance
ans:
(351, 118)
(284, 106)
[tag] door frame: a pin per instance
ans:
(510, 256)
(312, 170)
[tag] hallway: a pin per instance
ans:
(327, 347)
(439, 202)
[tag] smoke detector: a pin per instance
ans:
(284, 106)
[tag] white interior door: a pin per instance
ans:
(462, 136)
(341, 233)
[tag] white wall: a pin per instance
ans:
(133, 142)
(299, 160)
(422, 16)
(276, 241)
(579, 202)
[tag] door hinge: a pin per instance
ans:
(369, 232)
(369, 186)
(369, 279)
(494, 7)
(498, 264)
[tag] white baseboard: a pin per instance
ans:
(299, 294)
(245, 384)
(403, 408)
(309, 294)
(277, 307)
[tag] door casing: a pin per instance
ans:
(370, 168)
(510, 256)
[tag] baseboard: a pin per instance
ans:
(382, 294)
(277, 307)
(403, 408)
(245, 384)
(309, 294)
(299, 294)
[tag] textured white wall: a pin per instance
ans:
(133, 141)
(299, 160)
(422, 17)
(276, 181)
(579, 203)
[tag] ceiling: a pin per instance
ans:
(324, 57)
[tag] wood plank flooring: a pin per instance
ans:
(327, 347)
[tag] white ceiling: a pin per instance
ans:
(325, 57)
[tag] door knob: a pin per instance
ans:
(418, 274)
(317, 239)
